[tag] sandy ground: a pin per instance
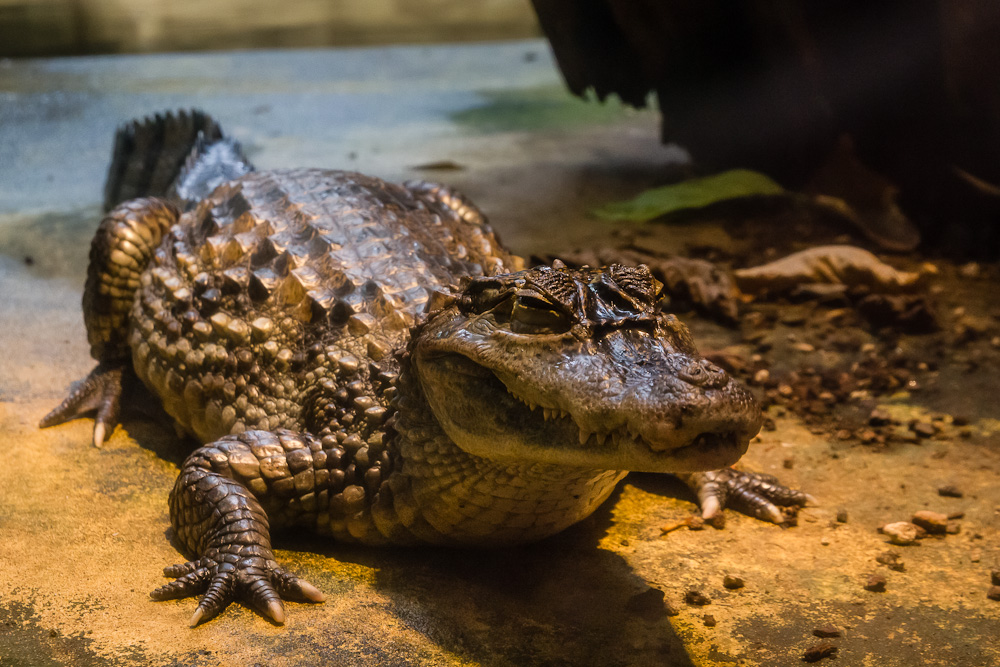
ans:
(83, 532)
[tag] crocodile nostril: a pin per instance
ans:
(703, 373)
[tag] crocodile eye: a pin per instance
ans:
(486, 299)
(483, 295)
(534, 314)
(661, 302)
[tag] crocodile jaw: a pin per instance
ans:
(485, 416)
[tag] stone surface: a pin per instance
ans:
(84, 532)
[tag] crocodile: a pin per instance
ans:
(367, 361)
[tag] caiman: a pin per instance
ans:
(366, 360)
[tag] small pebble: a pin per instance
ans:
(817, 652)
(763, 376)
(934, 523)
(788, 464)
(970, 271)
(891, 560)
(950, 491)
(842, 516)
(923, 429)
(879, 417)
(994, 593)
(995, 576)
(732, 582)
(696, 597)
(867, 436)
(649, 604)
(825, 541)
(826, 632)
(902, 533)
(876, 583)
(709, 620)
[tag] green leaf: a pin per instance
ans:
(694, 193)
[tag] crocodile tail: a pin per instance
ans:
(181, 156)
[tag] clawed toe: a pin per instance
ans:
(756, 494)
(262, 588)
(101, 390)
(291, 587)
(185, 585)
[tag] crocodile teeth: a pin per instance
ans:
(525, 401)
(598, 436)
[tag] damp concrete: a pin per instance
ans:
(84, 531)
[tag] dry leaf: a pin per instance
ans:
(835, 265)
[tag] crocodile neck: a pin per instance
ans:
(439, 494)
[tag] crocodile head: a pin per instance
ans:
(578, 368)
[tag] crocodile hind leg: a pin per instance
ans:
(122, 247)
(217, 509)
(756, 494)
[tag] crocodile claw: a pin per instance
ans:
(259, 583)
(756, 494)
(101, 390)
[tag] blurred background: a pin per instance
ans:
(76, 27)
(891, 107)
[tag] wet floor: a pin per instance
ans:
(83, 532)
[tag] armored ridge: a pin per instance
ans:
(303, 271)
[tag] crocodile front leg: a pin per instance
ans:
(122, 248)
(217, 509)
(756, 494)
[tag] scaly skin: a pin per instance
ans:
(366, 360)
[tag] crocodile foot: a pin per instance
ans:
(259, 582)
(756, 494)
(101, 390)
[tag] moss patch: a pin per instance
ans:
(533, 109)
